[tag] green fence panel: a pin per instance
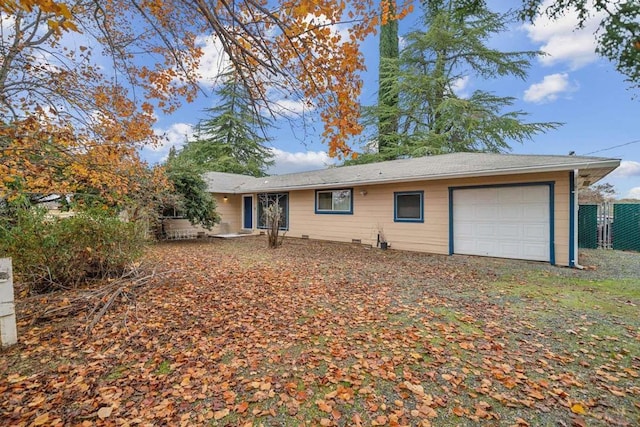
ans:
(626, 227)
(588, 226)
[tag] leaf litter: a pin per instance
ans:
(316, 333)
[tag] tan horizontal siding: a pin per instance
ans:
(230, 218)
(374, 210)
(230, 212)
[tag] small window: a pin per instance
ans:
(171, 212)
(334, 201)
(409, 206)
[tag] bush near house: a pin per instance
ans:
(60, 253)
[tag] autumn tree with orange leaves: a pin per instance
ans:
(66, 126)
(83, 79)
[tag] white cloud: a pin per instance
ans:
(213, 61)
(459, 85)
(287, 162)
(7, 28)
(634, 193)
(549, 88)
(290, 107)
(627, 168)
(402, 42)
(175, 136)
(562, 42)
(341, 30)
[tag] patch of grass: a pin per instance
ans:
(164, 368)
(610, 297)
(453, 318)
(117, 373)
(401, 319)
(233, 419)
(227, 357)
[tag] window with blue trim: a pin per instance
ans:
(338, 201)
(408, 206)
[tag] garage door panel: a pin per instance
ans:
(508, 249)
(536, 252)
(507, 222)
(465, 230)
(485, 211)
(510, 213)
(468, 245)
(535, 211)
(510, 231)
(484, 230)
(483, 247)
(486, 197)
(536, 192)
(535, 231)
(510, 195)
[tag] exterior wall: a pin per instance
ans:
(375, 210)
(230, 212)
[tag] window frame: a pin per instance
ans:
(259, 210)
(332, 211)
(408, 193)
(177, 214)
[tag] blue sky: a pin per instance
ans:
(571, 84)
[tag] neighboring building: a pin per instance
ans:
(499, 205)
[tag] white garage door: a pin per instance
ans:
(505, 222)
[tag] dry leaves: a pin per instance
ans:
(322, 334)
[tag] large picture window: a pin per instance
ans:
(268, 199)
(408, 206)
(334, 201)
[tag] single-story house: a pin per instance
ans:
(497, 205)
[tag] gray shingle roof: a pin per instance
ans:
(221, 182)
(456, 165)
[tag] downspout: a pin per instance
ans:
(573, 220)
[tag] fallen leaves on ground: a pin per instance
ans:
(312, 333)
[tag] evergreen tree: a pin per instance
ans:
(434, 118)
(233, 138)
(388, 96)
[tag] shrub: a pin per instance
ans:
(59, 253)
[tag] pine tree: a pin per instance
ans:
(434, 118)
(388, 96)
(233, 138)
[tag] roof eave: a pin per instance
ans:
(607, 164)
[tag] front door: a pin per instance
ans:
(247, 212)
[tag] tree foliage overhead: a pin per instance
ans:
(618, 36)
(453, 46)
(233, 138)
(40, 159)
(279, 45)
